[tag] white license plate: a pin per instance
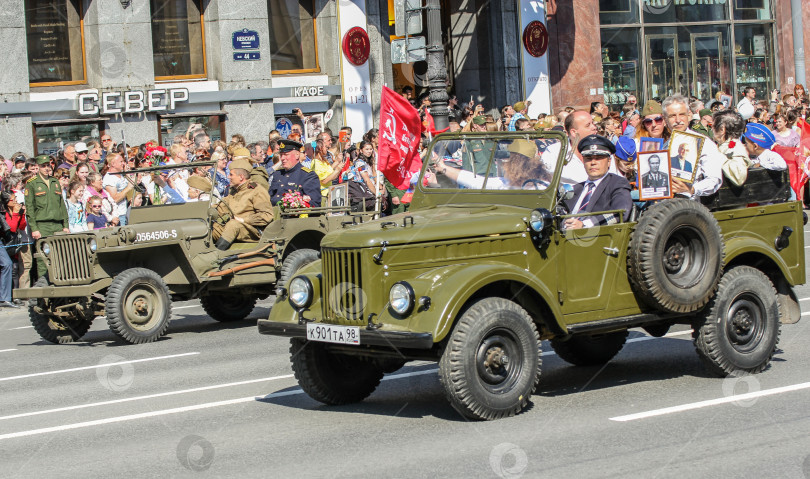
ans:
(331, 333)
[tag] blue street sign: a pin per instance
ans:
(246, 56)
(246, 40)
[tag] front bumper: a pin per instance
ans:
(367, 337)
(52, 291)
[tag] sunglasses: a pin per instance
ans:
(659, 120)
(95, 206)
(66, 176)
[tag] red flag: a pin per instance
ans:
(399, 138)
(804, 132)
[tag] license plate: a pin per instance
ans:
(331, 333)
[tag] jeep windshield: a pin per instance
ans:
(515, 163)
(170, 185)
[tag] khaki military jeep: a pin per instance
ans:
(131, 274)
(480, 271)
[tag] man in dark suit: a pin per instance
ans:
(602, 191)
(655, 178)
(679, 162)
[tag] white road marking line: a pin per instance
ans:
(804, 299)
(164, 412)
(46, 373)
(710, 402)
(21, 327)
(186, 307)
(6, 350)
(806, 313)
(139, 398)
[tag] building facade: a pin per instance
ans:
(149, 69)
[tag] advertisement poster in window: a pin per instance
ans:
(655, 180)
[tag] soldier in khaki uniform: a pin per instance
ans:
(44, 206)
(258, 174)
(246, 208)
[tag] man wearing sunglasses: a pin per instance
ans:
(708, 170)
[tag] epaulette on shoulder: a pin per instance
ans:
(31, 179)
(308, 170)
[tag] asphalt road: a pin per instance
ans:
(220, 400)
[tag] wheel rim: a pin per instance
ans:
(745, 322)
(143, 306)
(684, 258)
(499, 360)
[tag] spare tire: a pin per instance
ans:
(676, 256)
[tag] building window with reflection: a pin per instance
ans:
(178, 39)
(293, 38)
(54, 34)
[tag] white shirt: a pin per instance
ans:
(771, 160)
(709, 169)
(120, 184)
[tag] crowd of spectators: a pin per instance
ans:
(94, 194)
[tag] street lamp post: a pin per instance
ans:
(436, 68)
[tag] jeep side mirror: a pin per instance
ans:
(566, 192)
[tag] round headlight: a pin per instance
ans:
(540, 220)
(300, 291)
(92, 245)
(46, 248)
(401, 298)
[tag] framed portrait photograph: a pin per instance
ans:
(684, 151)
(338, 195)
(654, 176)
(651, 144)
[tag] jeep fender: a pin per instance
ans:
(747, 245)
(457, 284)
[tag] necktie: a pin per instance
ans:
(587, 198)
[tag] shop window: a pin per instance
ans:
(171, 126)
(752, 10)
(49, 138)
(754, 51)
(178, 38)
(293, 38)
(55, 37)
(614, 12)
(620, 67)
(672, 11)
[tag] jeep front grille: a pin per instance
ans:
(342, 295)
(70, 259)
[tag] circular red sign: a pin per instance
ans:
(356, 46)
(535, 38)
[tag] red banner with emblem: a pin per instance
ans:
(400, 134)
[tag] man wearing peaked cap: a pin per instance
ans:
(759, 140)
(602, 191)
(293, 176)
(44, 207)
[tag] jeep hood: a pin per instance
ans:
(446, 222)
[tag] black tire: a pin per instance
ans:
(227, 308)
(739, 331)
(332, 378)
(295, 261)
(477, 381)
(676, 256)
(138, 306)
(587, 350)
(57, 331)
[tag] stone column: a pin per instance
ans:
(16, 133)
(118, 51)
(574, 49)
(253, 119)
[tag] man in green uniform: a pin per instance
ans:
(246, 208)
(475, 156)
(44, 206)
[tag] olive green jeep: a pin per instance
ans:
(479, 271)
(131, 274)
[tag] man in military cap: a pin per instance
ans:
(45, 208)
(293, 176)
(602, 191)
(475, 156)
(258, 174)
(244, 211)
